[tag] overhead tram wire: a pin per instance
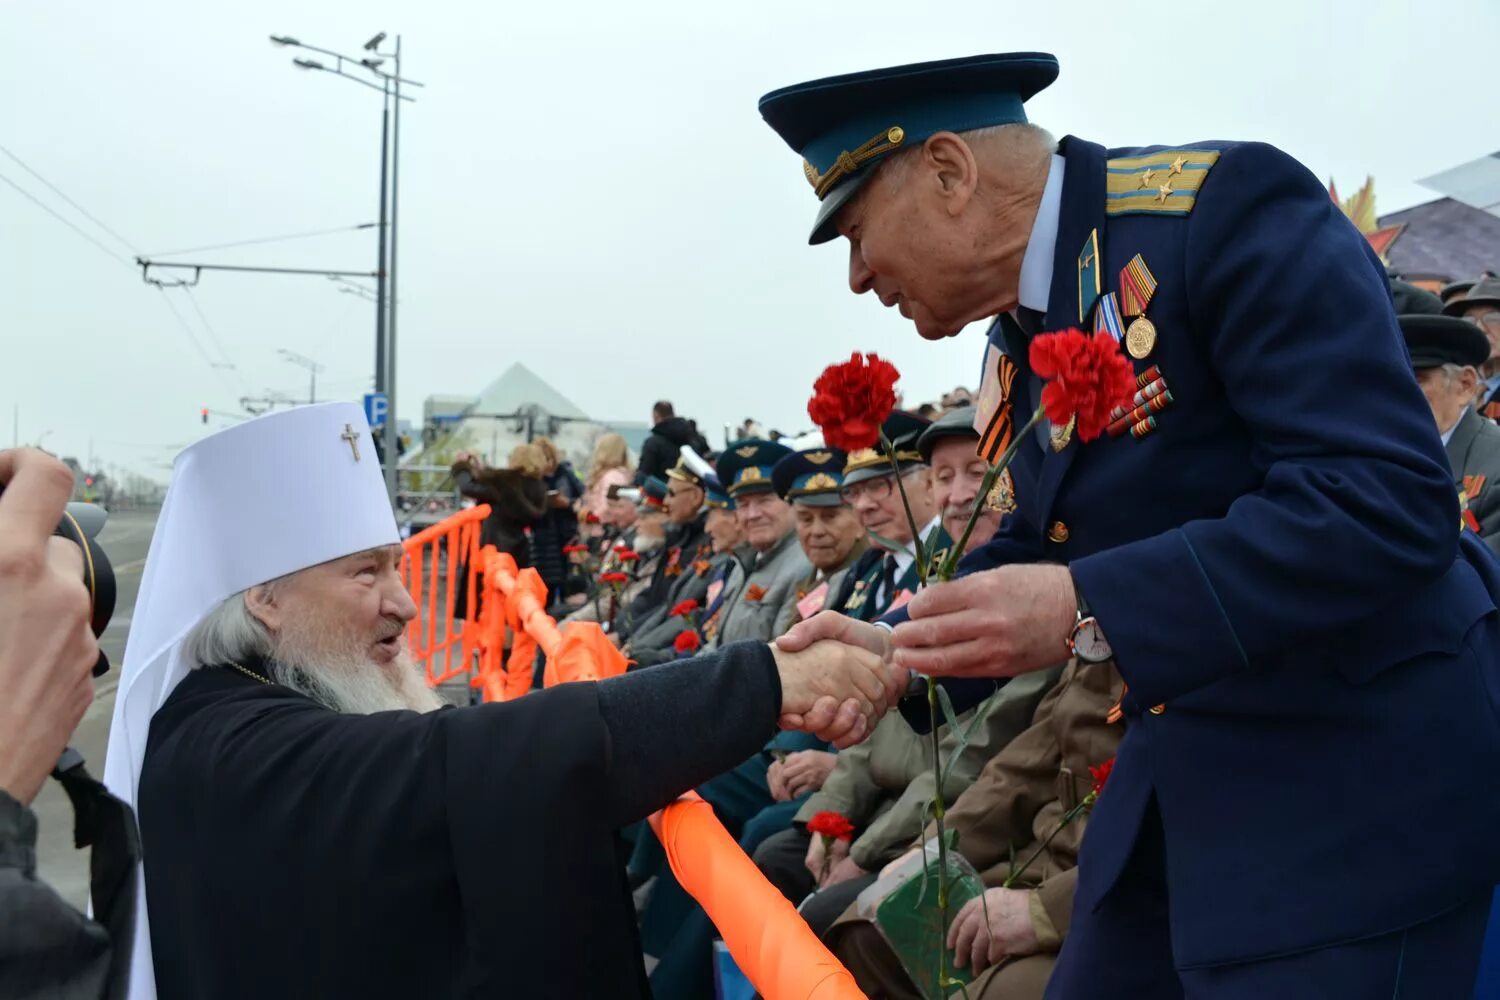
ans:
(264, 239)
(197, 344)
(77, 207)
(64, 220)
(214, 336)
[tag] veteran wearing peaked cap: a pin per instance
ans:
(1241, 543)
(828, 529)
(760, 583)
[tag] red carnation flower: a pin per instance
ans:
(683, 608)
(627, 555)
(687, 641)
(1101, 772)
(851, 400)
(613, 578)
(591, 518)
(1087, 377)
(831, 824)
(571, 550)
(755, 592)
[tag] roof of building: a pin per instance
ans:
(518, 387)
(1444, 239)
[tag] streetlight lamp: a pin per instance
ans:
(390, 150)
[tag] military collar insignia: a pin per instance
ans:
(1090, 269)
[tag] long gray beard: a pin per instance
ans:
(347, 680)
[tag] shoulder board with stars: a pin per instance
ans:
(1164, 183)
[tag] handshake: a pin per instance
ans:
(836, 677)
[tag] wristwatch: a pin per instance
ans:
(1087, 642)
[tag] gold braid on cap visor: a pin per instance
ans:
(847, 163)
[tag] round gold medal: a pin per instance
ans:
(1140, 338)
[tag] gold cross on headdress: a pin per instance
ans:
(352, 436)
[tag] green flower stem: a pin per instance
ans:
(938, 811)
(950, 564)
(1068, 817)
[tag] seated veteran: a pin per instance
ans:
(1480, 305)
(647, 538)
(949, 448)
(1447, 353)
(652, 637)
(683, 500)
(757, 587)
(887, 575)
(828, 529)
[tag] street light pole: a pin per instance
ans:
(312, 367)
(392, 430)
(385, 272)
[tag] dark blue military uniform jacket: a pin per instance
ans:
(1278, 563)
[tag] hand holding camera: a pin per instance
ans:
(47, 646)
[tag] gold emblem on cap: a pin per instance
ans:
(819, 457)
(747, 452)
(848, 162)
(749, 474)
(1140, 338)
(820, 481)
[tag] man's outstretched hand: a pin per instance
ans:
(832, 626)
(834, 690)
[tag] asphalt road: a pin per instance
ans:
(125, 539)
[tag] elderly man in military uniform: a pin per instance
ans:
(1276, 569)
(828, 529)
(1480, 305)
(758, 586)
(687, 545)
(1446, 353)
(888, 573)
(651, 640)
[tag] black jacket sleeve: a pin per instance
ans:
(47, 948)
(672, 727)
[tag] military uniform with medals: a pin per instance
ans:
(812, 478)
(1274, 566)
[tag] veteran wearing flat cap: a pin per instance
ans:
(1276, 568)
(1479, 304)
(1446, 353)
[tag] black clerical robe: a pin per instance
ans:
(294, 852)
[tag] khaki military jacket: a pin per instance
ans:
(758, 593)
(1024, 791)
(884, 784)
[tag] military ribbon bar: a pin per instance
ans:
(1137, 285)
(1107, 319)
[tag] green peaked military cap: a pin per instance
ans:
(844, 126)
(902, 429)
(745, 466)
(813, 477)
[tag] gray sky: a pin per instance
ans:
(587, 187)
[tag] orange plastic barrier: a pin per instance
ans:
(430, 566)
(579, 651)
(771, 943)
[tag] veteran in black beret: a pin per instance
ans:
(1446, 353)
(828, 529)
(1244, 543)
(950, 449)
